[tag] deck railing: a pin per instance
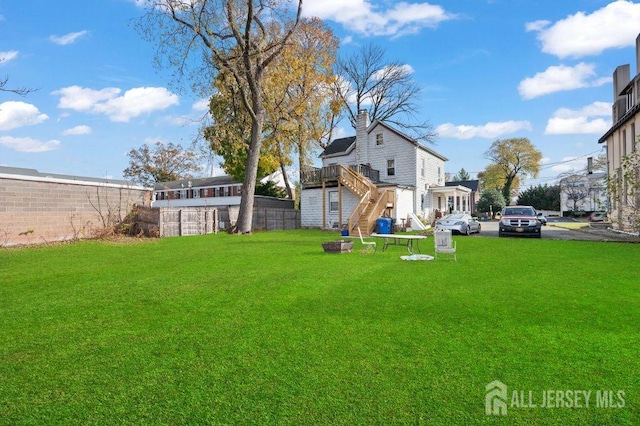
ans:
(312, 175)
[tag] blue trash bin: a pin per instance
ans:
(383, 225)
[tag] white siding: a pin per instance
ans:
(311, 207)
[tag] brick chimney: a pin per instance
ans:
(362, 137)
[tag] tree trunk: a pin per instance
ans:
(245, 215)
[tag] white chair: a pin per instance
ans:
(367, 246)
(445, 246)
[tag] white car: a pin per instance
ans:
(461, 223)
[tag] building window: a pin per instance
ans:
(624, 143)
(633, 137)
(422, 167)
(379, 139)
(391, 167)
(333, 201)
(439, 175)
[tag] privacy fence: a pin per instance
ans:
(182, 221)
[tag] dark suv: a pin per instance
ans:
(519, 220)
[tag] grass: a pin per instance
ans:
(268, 329)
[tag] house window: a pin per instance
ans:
(633, 137)
(439, 175)
(422, 167)
(391, 167)
(333, 201)
(624, 143)
(196, 193)
(379, 139)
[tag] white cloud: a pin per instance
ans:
(560, 78)
(28, 144)
(14, 114)
(67, 38)
(581, 34)
(536, 25)
(361, 16)
(7, 56)
(134, 102)
(78, 130)
(490, 130)
(569, 164)
(567, 121)
(201, 105)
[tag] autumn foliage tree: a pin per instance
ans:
(298, 102)
(161, 163)
(512, 160)
(198, 38)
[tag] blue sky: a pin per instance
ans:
(488, 69)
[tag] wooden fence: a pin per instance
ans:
(270, 219)
(188, 221)
(178, 221)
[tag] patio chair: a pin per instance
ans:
(445, 246)
(367, 246)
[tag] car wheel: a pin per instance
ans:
(479, 228)
(468, 230)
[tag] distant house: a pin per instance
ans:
(621, 138)
(474, 186)
(583, 193)
(378, 172)
(222, 192)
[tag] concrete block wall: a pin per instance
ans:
(38, 211)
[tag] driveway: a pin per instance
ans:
(490, 229)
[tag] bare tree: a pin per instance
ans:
(206, 36)
(575, 186)
(22, 91)
(385, 89)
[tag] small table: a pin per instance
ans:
(400, 240)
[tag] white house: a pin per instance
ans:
(378, 172)
(583, 193)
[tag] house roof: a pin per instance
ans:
(471, 184)
(196, 183)
(340, 146)
(407, 137)
(33, 173)
(627, 115)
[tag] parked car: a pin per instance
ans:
(542, 219)
(460, 223)
(598, 217)
(520, 221)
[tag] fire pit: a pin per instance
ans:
(338, 246)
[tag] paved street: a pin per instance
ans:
(490, 229)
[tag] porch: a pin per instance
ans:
(451, 199)
(314, 176)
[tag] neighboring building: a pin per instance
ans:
(583, 193)
(474, 186)
(220, 192)
(621, 138)
(378, 172)
(40, 207)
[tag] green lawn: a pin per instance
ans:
(269, 329)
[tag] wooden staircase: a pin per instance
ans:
(373, 201)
